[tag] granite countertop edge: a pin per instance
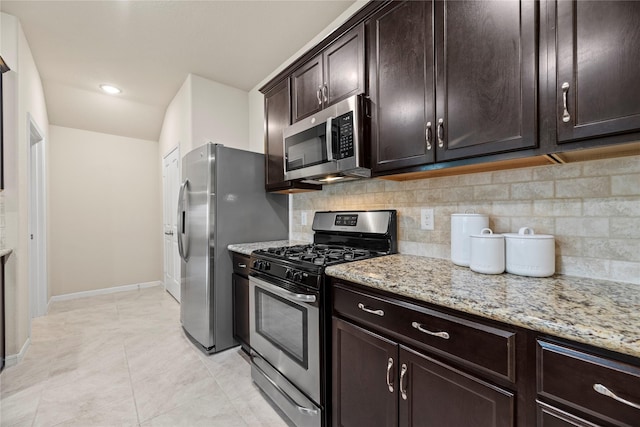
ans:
(594, 312)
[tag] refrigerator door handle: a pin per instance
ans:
(183, 236)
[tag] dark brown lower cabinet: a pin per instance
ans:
(548, 416)
(240, 286)
(2, 334)
(379, 382)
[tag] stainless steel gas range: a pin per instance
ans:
(289, 308)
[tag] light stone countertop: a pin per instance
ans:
(596, 312)
(247, 248)
(5, 251)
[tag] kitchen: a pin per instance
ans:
(591, 207)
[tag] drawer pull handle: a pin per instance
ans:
(418, 326)
(606, 392)
(363, 307)
(389, 367)
(441, 133)
(565, 111)
(403, 390)
(242, 265)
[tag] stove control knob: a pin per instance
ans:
(297, 276)
(254, 264)
(288, 274)
(267, 265)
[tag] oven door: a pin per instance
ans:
(285, 331)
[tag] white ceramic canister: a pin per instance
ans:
(463, 226)
(487, 252)
(530, 254)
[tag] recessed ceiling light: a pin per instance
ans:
(111, 90)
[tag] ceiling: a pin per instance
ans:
(147, 48)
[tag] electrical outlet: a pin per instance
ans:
(426, 219)
(303, 218)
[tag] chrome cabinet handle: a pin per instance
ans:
(428, 135)
(403, 390)
(389, 367)
(325, 91)
(441, 133)
(242, 265)
(606, 392)
(565, 94)
(363, 307)
(170, 233)
(419, 327)
(319, 95)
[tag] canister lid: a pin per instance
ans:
(487, 233)
(527, 233)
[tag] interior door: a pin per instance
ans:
(170, 186)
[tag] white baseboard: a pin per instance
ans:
(105, 291)
(14, 359)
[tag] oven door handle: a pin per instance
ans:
(291, 296)
(300, 408)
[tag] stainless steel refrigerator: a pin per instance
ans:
(221, 201)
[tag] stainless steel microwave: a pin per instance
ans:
(328, 146)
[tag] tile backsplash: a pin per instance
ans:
(592, 208)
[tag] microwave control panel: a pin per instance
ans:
(345, 135)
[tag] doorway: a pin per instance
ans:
(170, 187)
(38, 287)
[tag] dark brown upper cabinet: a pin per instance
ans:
(277, 117)
(597, 90)
(456, 78)
(401, 85)
(276, 110)
(331, 76)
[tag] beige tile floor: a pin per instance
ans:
(122, 360)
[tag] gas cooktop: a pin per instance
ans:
(316, 254)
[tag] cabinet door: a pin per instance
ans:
(306, 84)
(344, 67)
(241, 308)
(276, 105)
(434, 394)
(401, 85)
(486, 77)
(598, 64)
(363, 366)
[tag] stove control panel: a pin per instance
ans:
(261, 265)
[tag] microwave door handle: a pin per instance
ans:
(329, 139)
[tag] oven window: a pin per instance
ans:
(284, 324)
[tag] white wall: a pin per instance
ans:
(106, 212)
(203, 111)
(176, 127)
(219, 113)
(23, 96)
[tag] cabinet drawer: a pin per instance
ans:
(571, 377)
(470, 343)
(240, 264)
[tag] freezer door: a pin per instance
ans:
(195, 233)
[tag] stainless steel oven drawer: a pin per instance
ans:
(300, 409)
